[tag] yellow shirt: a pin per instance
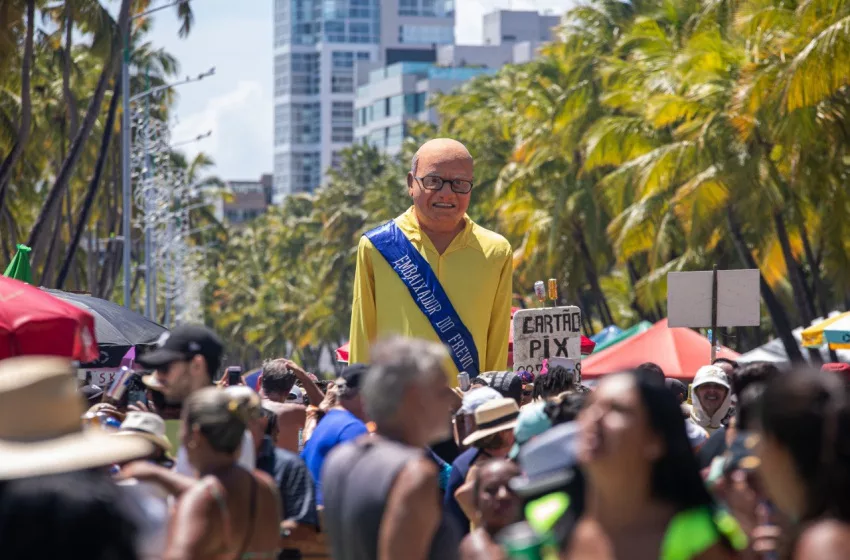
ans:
(476, 274)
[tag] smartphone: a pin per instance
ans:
(463, 381)
(234, 375)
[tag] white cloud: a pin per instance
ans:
(241, 141)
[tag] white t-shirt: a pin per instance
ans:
(247, 457)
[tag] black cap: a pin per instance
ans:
(509, 384)
(353, 375)
(184, 343)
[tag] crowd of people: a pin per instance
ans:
(425, 447)
(390, 461)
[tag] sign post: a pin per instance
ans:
(545, 333)
(714, 299)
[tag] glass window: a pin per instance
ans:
(363, 56)
(282, 23)
(414, 103)
(426, 34)
(298, 123)
(378, 138)
(396, 106)
(395, 136)
(379, 109)
(359, 32)
(342, 121)
(296, 73)
(335, 31)
(426, 8)
(342, 74)
(304, 22)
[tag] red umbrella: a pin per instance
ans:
(680, 352)
(587, 345)
(35, 322)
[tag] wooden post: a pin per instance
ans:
(714, 314)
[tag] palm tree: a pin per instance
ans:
(23, 132)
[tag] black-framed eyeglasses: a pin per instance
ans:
(434, 183)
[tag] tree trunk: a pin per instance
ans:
(592, 276)
(61, 183)
(70, 100)
(54, 241)
(94, 183)
(777, 314)
(796, 279)
(821, 295)
(633, 279)
(17, 150)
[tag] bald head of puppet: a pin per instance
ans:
(440, 184)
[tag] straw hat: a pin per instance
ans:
(147, 425)
(40, 428)
(493, 417)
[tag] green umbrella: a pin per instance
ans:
(628, 333)
(19, 268)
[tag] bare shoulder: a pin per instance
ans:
(195, 500)
(416, 477)
(824, 540)
(477, 546)
(589, 541)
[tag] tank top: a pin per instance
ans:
(357, 479)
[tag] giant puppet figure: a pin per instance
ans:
(433, 273)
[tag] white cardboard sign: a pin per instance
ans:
(738, 298)
(550, 332)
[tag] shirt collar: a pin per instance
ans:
(409, 224)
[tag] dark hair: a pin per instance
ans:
(565, 409)
(652, 369)
(759, 372)
(222, 415)
(675, 476)
(277, 377)
(735, 365)
(64, 508)
(749, 403)
(271, 421)
(806, 412)
(556, 381)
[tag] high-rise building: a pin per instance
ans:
(317, 47)
(390, 95)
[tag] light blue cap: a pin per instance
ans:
(532, 421)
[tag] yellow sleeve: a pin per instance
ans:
(500, 320)
(363, 313)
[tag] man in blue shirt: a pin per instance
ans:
(342, 423)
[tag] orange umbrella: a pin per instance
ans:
(679, 351)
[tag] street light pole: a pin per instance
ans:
(126, 189)
(125, 166)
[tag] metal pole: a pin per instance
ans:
(168, 280)
(148, 241)
(714, 314)
(125, 168)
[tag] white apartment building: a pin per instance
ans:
(391, 94)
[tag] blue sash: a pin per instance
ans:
(425, 289)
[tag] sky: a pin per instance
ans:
(236, 104)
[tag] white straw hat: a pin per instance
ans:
(41, 431)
